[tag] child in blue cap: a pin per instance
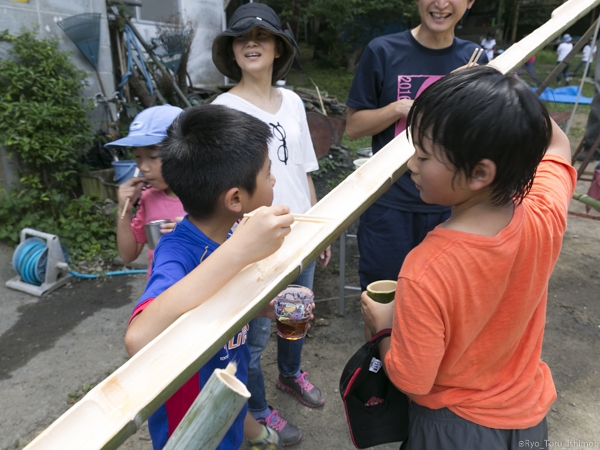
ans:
(155, 201)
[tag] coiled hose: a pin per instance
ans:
(31, 256)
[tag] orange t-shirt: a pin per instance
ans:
(470, 312)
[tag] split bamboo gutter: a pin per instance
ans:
(120, 404)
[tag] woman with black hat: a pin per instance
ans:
(256, 52)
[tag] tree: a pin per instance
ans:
(342, 28)
(43, 117)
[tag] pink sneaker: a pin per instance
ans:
(288, 433)
(304, 390)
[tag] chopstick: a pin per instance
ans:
(135, 174)
(474, 57)
(303, 218)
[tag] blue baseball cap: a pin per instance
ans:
(149, 127)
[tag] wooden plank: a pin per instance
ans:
(116, 407)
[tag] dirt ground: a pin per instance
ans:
(54, 349)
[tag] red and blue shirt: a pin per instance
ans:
(177, 254)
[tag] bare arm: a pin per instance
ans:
(377, 317)
(384, 347)
(254, 239)
(369, 122)
(559, 145)
(128, 247)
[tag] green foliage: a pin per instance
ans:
(346, 25)
(44, 125)
(43, 119)
(82, 224)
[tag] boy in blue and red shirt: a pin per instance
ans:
(215, 159)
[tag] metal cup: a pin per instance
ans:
(153, 233)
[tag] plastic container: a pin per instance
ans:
(292, 309)
(365, 152)
(359, 162)
(124, 170)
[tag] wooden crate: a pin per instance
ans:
(100, 183)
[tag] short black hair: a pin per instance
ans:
(480, 113)
(210, 149)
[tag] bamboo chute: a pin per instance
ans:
(211, 413)
(116, 407)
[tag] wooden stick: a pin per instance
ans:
(475, 57)
(135, 174)
(319, 95)
(472, 58)
(125, 208)
(478, 56)
(303, 218)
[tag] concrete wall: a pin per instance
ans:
(46, 13)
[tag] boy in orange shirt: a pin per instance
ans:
(468, 319)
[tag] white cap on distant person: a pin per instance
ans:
(566, 38)
(149, 127)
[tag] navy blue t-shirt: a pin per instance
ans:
(395, 67)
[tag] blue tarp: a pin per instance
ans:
(567, 94)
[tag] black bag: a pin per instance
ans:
(376, 410)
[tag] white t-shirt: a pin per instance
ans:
(488, 45)
(588, 53)
(563, 50)
(291, 185)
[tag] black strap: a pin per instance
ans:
(380, 335)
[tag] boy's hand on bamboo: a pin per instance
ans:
(262, 234)
(377, 316)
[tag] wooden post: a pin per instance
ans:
(515, 23)
(212, 413)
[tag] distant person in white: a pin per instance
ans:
(588, 56)
(562, 51)
(489, 45)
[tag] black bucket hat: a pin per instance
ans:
(376, 410)
(244, 19)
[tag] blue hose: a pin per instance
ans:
(31, 256)
(107, 274)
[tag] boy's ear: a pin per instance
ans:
(232, 200)
(483, 174)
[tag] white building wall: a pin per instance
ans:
(14, 15)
